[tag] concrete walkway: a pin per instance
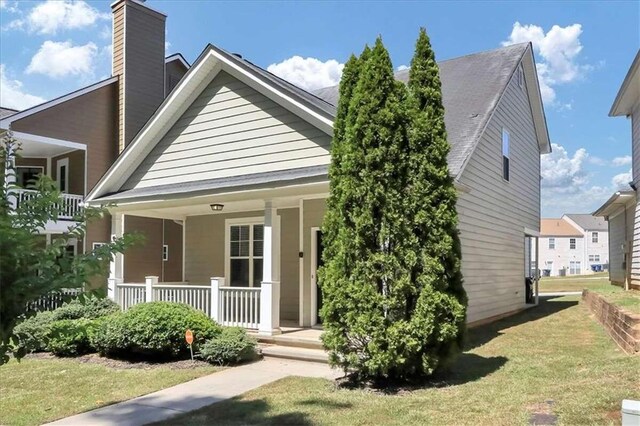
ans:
(561, 293)
(198, 393)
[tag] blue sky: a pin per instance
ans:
(583, 51)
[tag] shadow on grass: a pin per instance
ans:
(549, 305)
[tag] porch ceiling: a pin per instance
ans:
(40, 146)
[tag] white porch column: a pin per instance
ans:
(216, 283)
(270, 290)
(149, 282)
(116, 266)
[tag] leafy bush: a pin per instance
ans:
(71, 337)
(232, 346)
(154, 331)
(33, 332)
(91, 307)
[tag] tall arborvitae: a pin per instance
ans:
(393, 305)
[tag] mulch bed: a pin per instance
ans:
(123, 364)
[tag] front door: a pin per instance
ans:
(316, 263)
(319, 263)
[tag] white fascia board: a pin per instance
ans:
(177, 57)
(50, 141)
(6, 122)
(323, 123)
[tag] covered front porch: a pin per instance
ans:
(245, 260)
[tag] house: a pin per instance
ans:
(622, 210)
(575, 244)
(75, 138)
(237, 158)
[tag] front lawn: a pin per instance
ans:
(628, 300)
(37, 390)
(573, 283)
(551, 360)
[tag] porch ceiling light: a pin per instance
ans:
(216, 207)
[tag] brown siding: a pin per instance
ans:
(76, 171)
(289, 264)
(172, 268)
(32, 162)
(174, 71)
(89, 119)
(146, 258)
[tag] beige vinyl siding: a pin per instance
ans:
(313, 214)
(231, 130)
(205, 251)
(494, 213)
(118, 66)
(635, 254)
(620, 234)
(635, 142)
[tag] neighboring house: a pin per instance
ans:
(575, 244)
(239, 157)
(75, 138)
(622, 210)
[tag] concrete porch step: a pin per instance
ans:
(297, 353)
(297, 339)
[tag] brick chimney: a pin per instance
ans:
(138, 61)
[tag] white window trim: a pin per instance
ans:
(595, 236)
(554, 243)
(165, 252)
(97, 245)
(227, 243)
(30, 167)
(59, 164)
(575, 244)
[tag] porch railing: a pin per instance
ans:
(55, 299)
(248, 307)
(239, 306)
(71, 203)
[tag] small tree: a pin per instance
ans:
(393, 299)
(30, 269)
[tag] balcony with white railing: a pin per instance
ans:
(71, 203)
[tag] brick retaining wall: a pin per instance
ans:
(621, 325)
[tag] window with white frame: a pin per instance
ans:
(165, 252)
(572, 243)
(97, 245)
(552, 243)
(505, 154)
(594, 258)
(575, 267)
(594, 237)
(246, 244)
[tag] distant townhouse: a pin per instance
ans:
(575, 244)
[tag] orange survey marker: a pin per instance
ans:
(189, 338)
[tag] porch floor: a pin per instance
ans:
(293, 335)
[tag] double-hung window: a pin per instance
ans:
(552, 243)
(505, 154)
(572, 243)
(594, 237)
(245, 247)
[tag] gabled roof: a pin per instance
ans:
(629, 92)
(589, 222)
(6, 121)
(472, 86)
(177, 57)
(558, 228)
(6, 112)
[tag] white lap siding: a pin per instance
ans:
(231, 130)
(494, 213)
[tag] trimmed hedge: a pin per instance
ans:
(34, 333)
(232, 346)
(154, 331)
(72, 337)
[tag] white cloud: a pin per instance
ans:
(402, 68)
(59, 59)
(12, 94)
(567, 186)
(621, 161)
(3, 4)
(557, 51)
(54, 15)
(621, 181)
(308, 73)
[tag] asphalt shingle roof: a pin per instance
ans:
(589, 222)
(6, 112)
(471, 88)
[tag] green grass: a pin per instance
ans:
(511, 368)
(573, 283)
(34, 391)
(629, 300)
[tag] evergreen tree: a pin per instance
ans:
(389, 309)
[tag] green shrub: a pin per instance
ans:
(91, 307)
(154, 331)
(232, 346)
(72, 337)
(33, 332)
